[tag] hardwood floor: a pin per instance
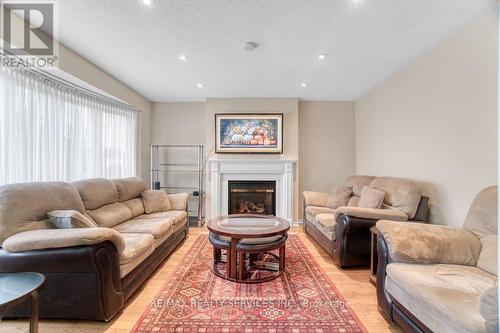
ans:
(352, 284)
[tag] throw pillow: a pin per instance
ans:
(68, 219)
(338, 197)
(371, 198)
(155, 201)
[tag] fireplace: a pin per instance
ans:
(252, 197)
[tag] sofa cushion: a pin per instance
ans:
(444, 297)
(157, 227)
(312, 211)
(137, 248)
(135, 205)
(488, 307)
(353, 201)
(177, 216)
(68, 219)
(129, 188)
(110, 215)
(155, 201)
(178, 201)
(96, 192)
(23, 207)
(371, 198)
(357, 183)
(339, 197)
(400, 193)
(326, 223)
(482, 220)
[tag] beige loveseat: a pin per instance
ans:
(90, 271)
(433, 278)
(344, 230)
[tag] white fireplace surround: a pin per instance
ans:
(263, 169)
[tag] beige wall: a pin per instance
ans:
(178, 123)
(326, 145)
(436, 121)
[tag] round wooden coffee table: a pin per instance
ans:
(248, 241)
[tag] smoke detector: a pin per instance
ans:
(249, 46)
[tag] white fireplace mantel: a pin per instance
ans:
(223, 170)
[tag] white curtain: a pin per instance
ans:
(51, 131)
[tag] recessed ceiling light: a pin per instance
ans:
(146, 2)
(303, 84)
(249, 46)
(182, 57)
(322, 56)
(199, 85)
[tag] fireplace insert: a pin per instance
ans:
(252, 197)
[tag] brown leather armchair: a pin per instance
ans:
(344, 232)
(433, 278)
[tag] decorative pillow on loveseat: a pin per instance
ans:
(338, 197)
(69, 219)
(371, 198)
(155, 201)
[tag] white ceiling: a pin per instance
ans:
(366, 41)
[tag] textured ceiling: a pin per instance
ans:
(366, 41)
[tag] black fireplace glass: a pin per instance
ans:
(252, 197)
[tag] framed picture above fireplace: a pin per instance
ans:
(237, 133)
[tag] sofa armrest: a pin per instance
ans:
(371, 213)
(88, 276)
(61, 238)
(427, 243)
(178, 201)
(315, 198)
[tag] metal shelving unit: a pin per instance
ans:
(180, 168)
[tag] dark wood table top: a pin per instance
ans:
(248, 226)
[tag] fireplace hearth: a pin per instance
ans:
(252, 197)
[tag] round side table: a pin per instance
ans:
(17, 288)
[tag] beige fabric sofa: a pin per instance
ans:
(344, 232)
(433, 277)
(132, 242)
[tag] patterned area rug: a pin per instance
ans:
(302, 299)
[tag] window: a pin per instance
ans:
(51, 131)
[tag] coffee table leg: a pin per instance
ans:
(217, 253)
(282, 258)
(241, 266)
(233, 258)
(228, 263)
(34, 312)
